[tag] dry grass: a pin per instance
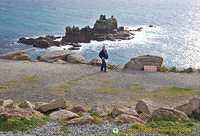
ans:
(105, 90)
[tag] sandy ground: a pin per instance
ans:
(86, 85)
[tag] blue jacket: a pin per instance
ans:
(103, 54)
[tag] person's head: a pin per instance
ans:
(104, 47)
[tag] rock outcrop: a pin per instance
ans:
(17, 55)
(76, 58)
(26, 105)
(83, 120)
(100, 109)
(139, 62)
(123, 118)
(63, 114)
(118, 110)
(6, 103)
(77, 109)
(145, 106)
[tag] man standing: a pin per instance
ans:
(103, 55)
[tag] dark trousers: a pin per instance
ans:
(103, 65)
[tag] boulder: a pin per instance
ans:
(188, 108)
(172, 69)
(119, 67)
(169, 113)
(100, 109)
(2, 109)
(74, 48)
(118, 110)
(77, 109)
(26, 40)
(145, 106)
(83, 120)
(63, 114)
(76, 58)
(26, 105)
(98, 62)
(59, 61)
(163, 69)
(55, 55)
(124, 118)
(141, 61)
(53, 105)
(18, 112)
(17, 55)
(6, 103)
(143, 116)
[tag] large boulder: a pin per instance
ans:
(6, 103)
(141, 61)
(26, 105)
(55, 55)
(143, 116)
(98, 62)
(169, 113)
(77, 109)
(76, 58)
(188, 108)
(23, 113)
(145, 106)
(17, 55)
(2, 109)
(100, 109)
(26, 40)
(53, 105)
(63, 114)
(123, 118)
(83, 120)
(118, 110)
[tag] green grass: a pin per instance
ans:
(105, 90)
(172, 92)
(97, 119)
(21, 124)
(5, 89)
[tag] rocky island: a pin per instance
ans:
(104, 29)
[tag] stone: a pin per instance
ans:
(163, 69)
(17, 55)
(110, 65)
(77, 109)
(150, 25)
(55, 55)
(124, 118)
(145, 106)
(74, 48)
(59, 61)
(2, 109)
(76, 58)
(139, 29)
(98, 62)
(26, 105)
(169, 113)
(143, 116)
(119, 67)
(26, 40)
(172, 69)
(141, 61)
(118, 110)
(188, 108)
(63, 114)
(53, 105)
(83, 120)
(18, 112)
(100, 109)
(6, 103)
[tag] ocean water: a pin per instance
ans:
(176, 36)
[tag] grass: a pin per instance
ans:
(62, 89)
(21, 124)
(106, 82)
(30, 79)
(97, 118)
(105, 90)
(5, 89)
(172, 92)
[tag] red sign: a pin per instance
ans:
(150, 68)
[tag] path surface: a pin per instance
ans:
(83, 84)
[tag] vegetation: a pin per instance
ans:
(21, 124)
(105, 90)
(30, 78)
(106, 82)
(97, 118)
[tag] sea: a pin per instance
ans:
(175, 37)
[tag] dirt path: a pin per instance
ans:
(85, 85)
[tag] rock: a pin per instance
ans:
(169, 113)
(172, 69)
(98, 62)
(110, 65)
(76, 45)
(2, 109)
(55, 55)
(17, 55)
(63, 114)
(77, 109)
(139, 62)
(18, 112)
(100, 109)
(59, 61)
(118, 110)
(188, 108)
(123, 118)
(26, 105)
(119, 67)
(26, 41)
(163, 69)
(143, 116)
(150, 25)
(74, 48)
(76, 58)
(189, 70)
(83, 120)
(145, 106)
(139, 29)
(43, 43)
(53, 105)
(6, 103)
